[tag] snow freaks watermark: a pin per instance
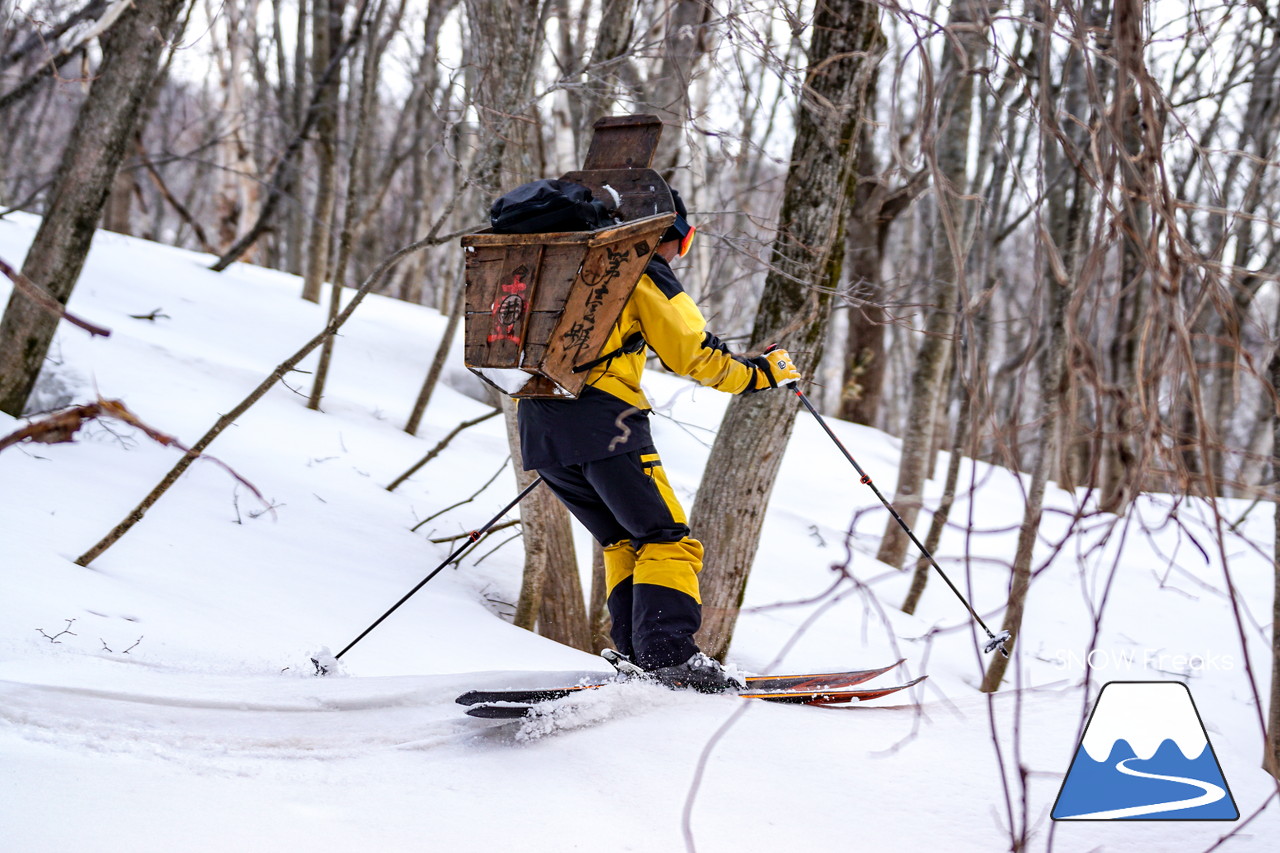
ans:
(1140, 660)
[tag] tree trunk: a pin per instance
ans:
(938, 524)
(326, 35)
(504, 45)
(505, 42)
(103, 131)
(1253, 155)
(294, 106)
(1053, 365)
(118, 211)
(563, 614)
(427, 129)
(1271, 756)
(357, 187)
(953, 100)
(459, 303)
(1120, 475)
(685, 39)
(236, 186)
(795, 308)
(617, 18)
(1066, 202)
(599, 621)
(864, 356)
(551, 591)
(875, 208)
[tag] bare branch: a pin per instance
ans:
(39, 296)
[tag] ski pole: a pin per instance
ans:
(472, 537)
(994, 641)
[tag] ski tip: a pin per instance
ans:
(498, 711)
(832, 697)
(620, 662)
(897, 688)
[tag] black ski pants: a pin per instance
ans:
(651, 562)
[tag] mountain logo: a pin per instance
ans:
(1145, 755)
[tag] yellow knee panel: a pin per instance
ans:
(671, 564)
(619, 564)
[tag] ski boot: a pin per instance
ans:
(700, 672)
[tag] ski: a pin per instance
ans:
(830, 697)
(819, 681)
(508, 709)
(755, 684)
(527, 697)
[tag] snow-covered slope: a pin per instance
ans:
(179, 709)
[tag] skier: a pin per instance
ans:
(596, 453)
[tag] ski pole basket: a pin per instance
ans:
(540, 306)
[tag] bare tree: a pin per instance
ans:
(326, 36)
(357, 193)
(132, 49)
(505, 41)
(682, 28)
(727, 515)
(229, 418)
(878, 203)
(426, 163)
(1271, 756)
(604, 74)
(285, 176)
(551, 596)
(292, 99)
(947, 150)
(48, 64)
(236, 188)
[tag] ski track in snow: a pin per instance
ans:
(1212, 793)
(278, 720)
(217, 724)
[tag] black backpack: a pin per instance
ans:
(546, 206)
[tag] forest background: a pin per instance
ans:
(1037, 234)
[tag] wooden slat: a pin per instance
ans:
(624, 142)
(488, 238)
(609, 275)
(560, 265)
(580, 292)
(541, 325)
(484, 266)
(499, 296)
(640, 229)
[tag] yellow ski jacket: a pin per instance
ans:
(610, 416)
(674, 328)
